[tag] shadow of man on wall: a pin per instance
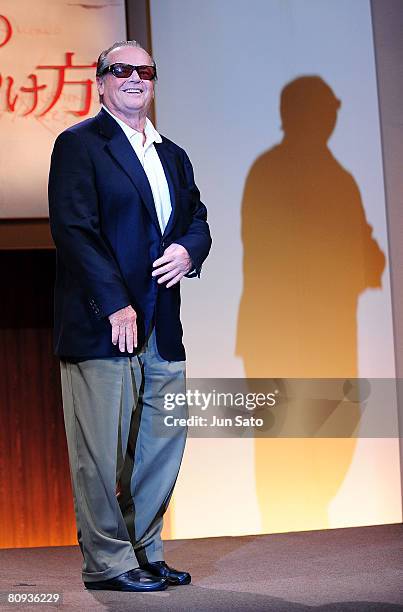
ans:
(308, 255)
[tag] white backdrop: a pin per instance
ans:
(222, 66)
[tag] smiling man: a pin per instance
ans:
(128, 225)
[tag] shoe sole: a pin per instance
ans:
(163, 587)
(179, 582)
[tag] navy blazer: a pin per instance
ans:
(106, 231)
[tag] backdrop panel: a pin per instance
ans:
(297, 284)
(48, 52)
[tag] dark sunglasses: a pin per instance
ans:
(124, 71)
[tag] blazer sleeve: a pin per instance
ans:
(197, 240)
(75, 226)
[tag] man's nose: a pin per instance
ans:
(134, 76)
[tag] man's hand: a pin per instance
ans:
(173, 265)
(124, 328)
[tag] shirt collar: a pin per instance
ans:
(150, 132)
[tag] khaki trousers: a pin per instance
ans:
(123, 471)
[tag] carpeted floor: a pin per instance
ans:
(356, 569)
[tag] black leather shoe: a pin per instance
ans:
(133, 580)
(160, 568)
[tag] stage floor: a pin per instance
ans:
(357, 569)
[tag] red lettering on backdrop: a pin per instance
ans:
(11, 98)
(8, 31)
(62, 81)
(34, 90)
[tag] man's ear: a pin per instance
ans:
(100, 85)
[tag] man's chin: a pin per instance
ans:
(135, 106)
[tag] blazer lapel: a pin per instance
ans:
(121, 150)
(168, 163)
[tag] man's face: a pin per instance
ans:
(126, 96)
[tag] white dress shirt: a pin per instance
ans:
(151, 163)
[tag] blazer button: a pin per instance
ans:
(163, 244)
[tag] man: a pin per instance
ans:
(128, 225)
